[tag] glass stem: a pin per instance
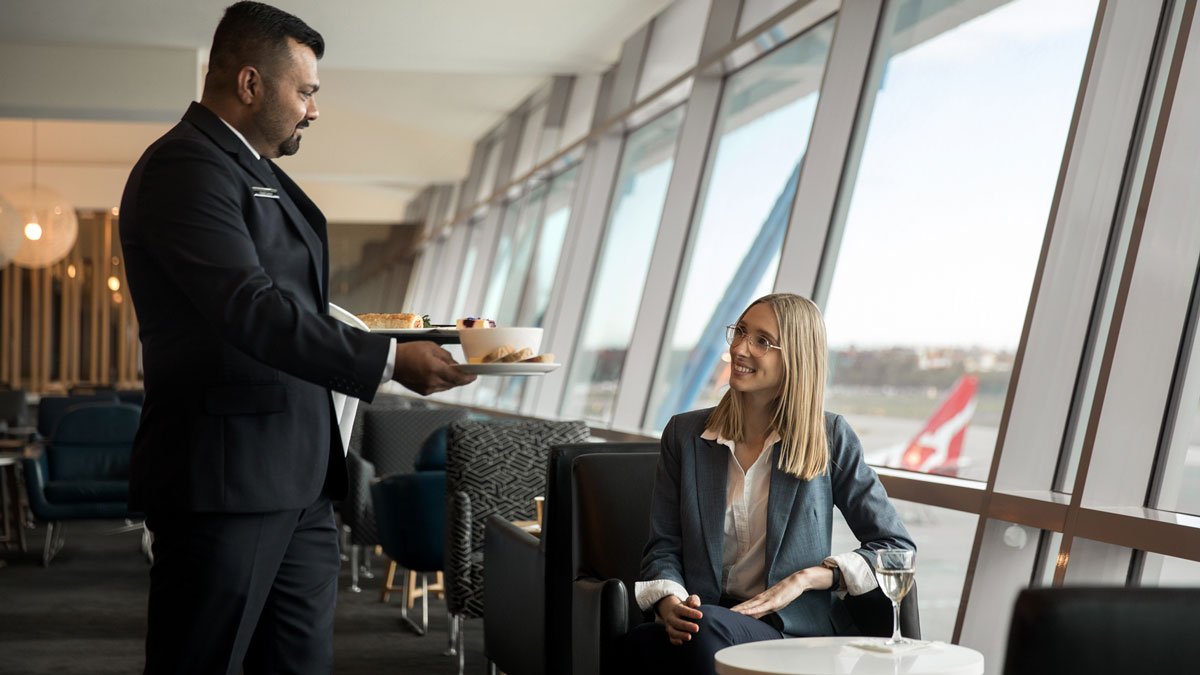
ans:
(895, 622)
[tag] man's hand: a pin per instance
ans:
(427, 368)
(678, 617)
(783, 593)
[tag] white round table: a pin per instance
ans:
(835, 656)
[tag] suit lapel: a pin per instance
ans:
(779, 509)
(712, 475)
(311, 229)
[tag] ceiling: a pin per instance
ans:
(408, 86)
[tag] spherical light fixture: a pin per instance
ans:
(50, 226)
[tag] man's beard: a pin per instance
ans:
(290, 147)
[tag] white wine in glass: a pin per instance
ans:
(895, 568)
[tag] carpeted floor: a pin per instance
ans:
(86, 614)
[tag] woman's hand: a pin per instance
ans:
(783, 593)
(678, 617)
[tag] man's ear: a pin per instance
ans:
(249, 85)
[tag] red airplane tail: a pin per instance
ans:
(937, 448)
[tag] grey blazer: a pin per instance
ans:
(687, 528)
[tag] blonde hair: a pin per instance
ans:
(799, 416)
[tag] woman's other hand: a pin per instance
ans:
(783, 593)
(679, 616)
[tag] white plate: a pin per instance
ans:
(415, 331)
(508, 368)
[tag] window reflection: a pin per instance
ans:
(762, 130)
(943, 219)
(621, 269)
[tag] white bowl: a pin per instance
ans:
(478, 342)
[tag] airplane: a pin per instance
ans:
(936, 448)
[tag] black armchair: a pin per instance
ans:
(612, 524)
(872, 613)
(1070, 631)
(531, 577)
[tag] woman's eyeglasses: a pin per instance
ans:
(759, 345)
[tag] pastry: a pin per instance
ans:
(392, 321)
(498, 353)
(517, 355)
(540, 358)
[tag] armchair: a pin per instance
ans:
(391, 439)
(13, 410)
(872, 613)
(410, 510)
(50, 409)
(531, 577)
(492, 469)
(1072, 631)
(612, 524)
(83, 472)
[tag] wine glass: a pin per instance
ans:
(894, 567)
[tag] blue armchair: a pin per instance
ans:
(83, 471)
(50, 409)
(410, 513)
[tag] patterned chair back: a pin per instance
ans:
(493, 468)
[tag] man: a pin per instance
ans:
(238, 454)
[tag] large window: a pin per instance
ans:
(474, 234)
(762, 131)
(551, 234)
(620, 278)
(942, 220)
(549, 248)
(502, 263)
(523, 237)
(1179, 473)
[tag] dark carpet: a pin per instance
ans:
(86, 614)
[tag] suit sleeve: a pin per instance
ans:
(195, 232)
(662, 559)
(860, 496)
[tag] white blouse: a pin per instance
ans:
(743, 559)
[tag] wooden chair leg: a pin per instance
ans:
(439, 587)
(412, 588)
(388, 580)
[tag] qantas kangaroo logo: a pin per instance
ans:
(937, 448)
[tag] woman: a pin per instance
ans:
(739, 547)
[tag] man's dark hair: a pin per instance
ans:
(254, 34)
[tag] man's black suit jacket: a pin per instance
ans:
(231, 292)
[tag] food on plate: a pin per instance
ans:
(475, 322)
(516, 355)
(510, 354)
(497, 354)
(394, 321)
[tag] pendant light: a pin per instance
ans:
(48, 224)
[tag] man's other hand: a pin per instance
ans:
(426, 368)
